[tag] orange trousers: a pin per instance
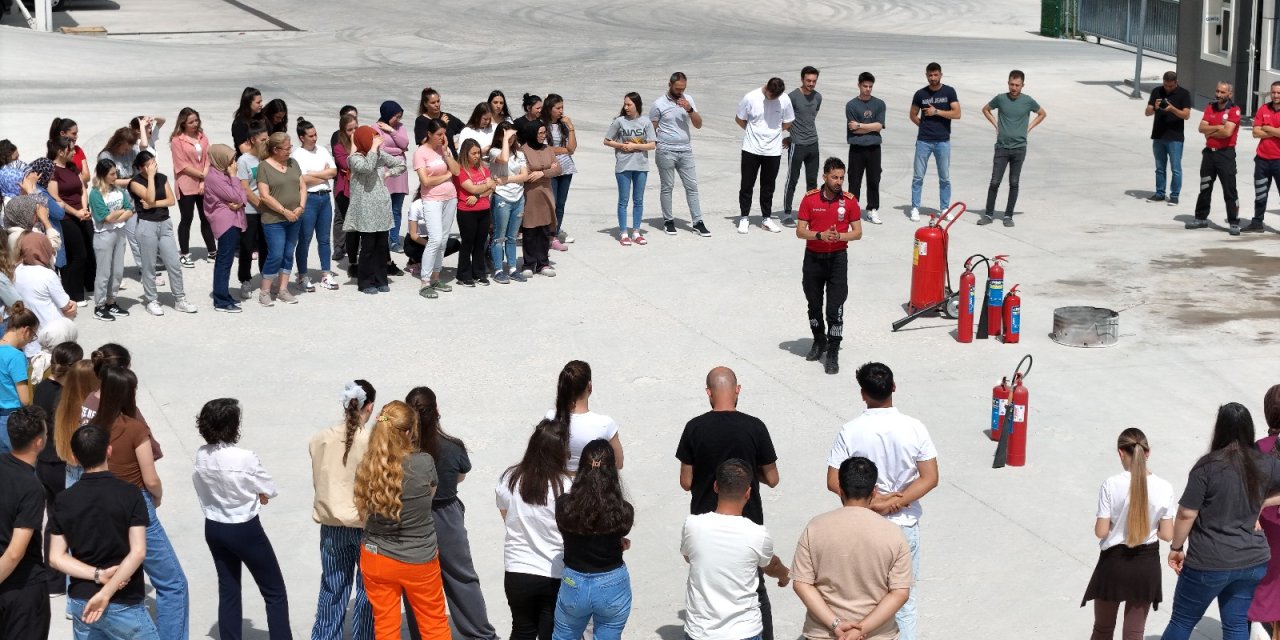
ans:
(385, 579)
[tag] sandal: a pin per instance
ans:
(625, 240)
(428, 292)
(639, 239)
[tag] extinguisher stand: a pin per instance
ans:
(1007, 420)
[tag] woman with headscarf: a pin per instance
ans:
(36, 182)
(111, 207)
(12, 170)
(369, 213)
(28, 213)
(224, 203)
(39, 286)
(539, 222)
(395, 141)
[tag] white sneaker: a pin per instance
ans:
(769, 225)
(915, 214)
(154, 308)
(82, 303)
(873, 216)
(184, 306)
(743, 224)
(329, 282)
(304, 283)
(568, 239)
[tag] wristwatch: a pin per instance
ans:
(97, 575)
(835, 624)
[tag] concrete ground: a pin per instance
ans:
(1006, 554)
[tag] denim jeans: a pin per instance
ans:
(118, 622)
(506, 224)
(941, 152)
(631, 185)
(906, 616)
(282, 240)
(339, 567)
(1168, 152)
(173, 605)
(316, 219)
(560, 189)
(1233, 588)
(606, 597)
(672, 162)
(228, 248)
(5, 445)
(1011, 159)
(397, 204)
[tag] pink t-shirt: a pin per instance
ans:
(426, 158)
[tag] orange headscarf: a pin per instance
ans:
(34, 248)
(364, 138)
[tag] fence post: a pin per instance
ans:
(1140, 41)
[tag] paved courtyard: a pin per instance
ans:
(1006, 553)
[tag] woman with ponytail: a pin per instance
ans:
(78, 386)
(572, 410)
(1266, 599)
(15, 387)
(461, 584)
(1218, 517)
(394, 488)
(336, 452)
(1135, 508)
(51, 470)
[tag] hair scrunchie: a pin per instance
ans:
(351, 392)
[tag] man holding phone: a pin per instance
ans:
(932, 110)
(1170, 105)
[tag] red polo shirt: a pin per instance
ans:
(1215, 117)
(1268, 115)
(823, 214)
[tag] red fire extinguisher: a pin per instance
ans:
(1012, 426)
(999, 398)
(1012, 316)
(995, 295)
(968, 286)
(929, 261)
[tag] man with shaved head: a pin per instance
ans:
(721, 434)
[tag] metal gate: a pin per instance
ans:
(1117, 20)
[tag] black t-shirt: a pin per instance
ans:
(453, 461)
(94, 516)
(21, 507)
(934, 128)
(453, 128)
(594, 553)
(1165, 125)
(714, 437)
(1224, 535)
(47, 394)
(159, 214)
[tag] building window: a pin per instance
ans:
(1275, 44)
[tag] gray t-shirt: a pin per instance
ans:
(453, 461)
(1013, 118)
(673, 123)
(866, 112)
(247, 169)
(804, 129)
(1223, 536)
(413, 538)
(124, 163)
(638, 129)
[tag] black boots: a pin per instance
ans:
(819, 346)
(832, 365)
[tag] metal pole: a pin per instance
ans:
(1137, 65)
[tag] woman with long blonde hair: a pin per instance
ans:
(79, 381)
(394, 487)
(1135, 510)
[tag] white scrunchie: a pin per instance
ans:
(351, 392)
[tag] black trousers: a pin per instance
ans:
(766, 609)
(798, 154)
(251, 240)
(341, 203)
(865, 160)
(533, 604)
(1012, 159)
(188, 206)
(78, 274)
(473, 226)
(53, 475)
(245, 545)
(1264, 171)
(24, 612)
(829, 273)
(1218, 165)
(767, 168)
(537, 247)
(371, 270)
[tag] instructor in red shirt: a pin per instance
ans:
(1266, 165)
(829, 219)
(1220, 126)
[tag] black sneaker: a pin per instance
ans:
(1173, 201)
(1255, 226)
(669, 227)
(1008, 221)
(393, 270)
(984, 220)
(701, 228)
(1196, 223)
(788, 220)
(484, 282)
(815, 351)
(832, 365)
(1155, 198)
(116, 310)
(467, 283)
(101, 313)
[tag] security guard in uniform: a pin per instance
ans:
(829, 219)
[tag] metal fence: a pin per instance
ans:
(1117, 20)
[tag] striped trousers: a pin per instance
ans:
(339, 566)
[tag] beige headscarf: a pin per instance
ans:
(221, 156)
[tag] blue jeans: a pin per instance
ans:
(5, 445)
(632, 182)
(941, 152)
(397, 203)
(1196, 588)
(316, 219)
(339, 566)
(118, 622)
(606, 597)
(560, 189)
(228, 247)
(906, 616)
(506, 224)
(173, 606)
(282, 240)
(1168, 152)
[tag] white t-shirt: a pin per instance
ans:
(583, 428)
(511, 191)
(41, 291)
(764, 119)
(895, 442)
(724, 555)
(1113, 503)
(533, 544)
(482, 136)
(417, 215)
(317, 160)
